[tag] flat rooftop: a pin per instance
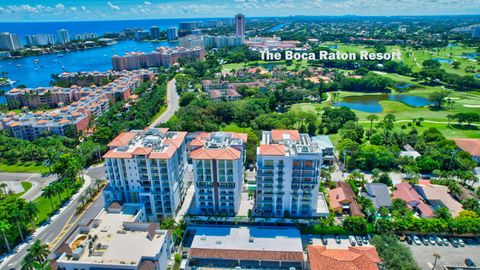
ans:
(247, 238)
(117, 239)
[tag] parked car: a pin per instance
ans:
(359, 240)
(424, 240)
(337, 239)
(310, 241)
(431, 240)
(454, 242)
(445, 241)
(365, 240)
(469, 262)
(352, 240)
(324, 240)
(409, 239)
(416, 240)
(460, 242)
(402, 237)
(438, 240)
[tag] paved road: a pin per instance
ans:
(14, 180)
(61, 225)
(172, 104)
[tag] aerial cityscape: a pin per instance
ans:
(246, 134)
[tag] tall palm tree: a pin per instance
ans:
(18, 215)
(31, 212)
(372, 118)
(48, 192)
(4, 228)
(58, 187)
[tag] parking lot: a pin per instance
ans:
(311, 239)
(449, 255)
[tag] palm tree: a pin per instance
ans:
(18, 215)
(48, 192)
(42, 266)
(450, 117)
(4, 228)
(372, 118)
(58, 187)
(4, 186)
(31, 212)
(38, 251)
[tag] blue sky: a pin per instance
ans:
(67, 10)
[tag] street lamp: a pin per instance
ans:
(436, 258)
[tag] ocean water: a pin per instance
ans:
(32, 74)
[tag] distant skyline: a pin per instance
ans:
(75, 10)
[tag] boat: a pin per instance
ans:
(36, 61)
(55, 60)
(18, 65)
(42, 66)
(60, 55)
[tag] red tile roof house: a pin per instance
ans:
(414, 201)
(342, 200)
(353, 258)
(471, 146)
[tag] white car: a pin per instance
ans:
(416, 240)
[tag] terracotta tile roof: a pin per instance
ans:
(215, 153)
(272, 149)
(407, 193)
(115, 154)
(246, 254)
(115, 206)
(123, 139)
(353, 258)
(472, 146)
(425, 210)
(142, 151)
(14, 124)
(280, 135)
(344, 194)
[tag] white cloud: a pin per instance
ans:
(59, 6)
(147, 3)
(112, 6)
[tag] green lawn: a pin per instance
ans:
(23, 168)
(234, 128)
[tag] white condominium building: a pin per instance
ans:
(288, 174)
(148, 167)
(217, 160)
(118, 238)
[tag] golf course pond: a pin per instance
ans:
(371, 103)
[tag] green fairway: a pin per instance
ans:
(23, 168)
(464, 102)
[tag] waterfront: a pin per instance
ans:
(26, 71)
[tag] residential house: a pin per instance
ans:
(404, 191)
(343, 200)
(379, 194)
